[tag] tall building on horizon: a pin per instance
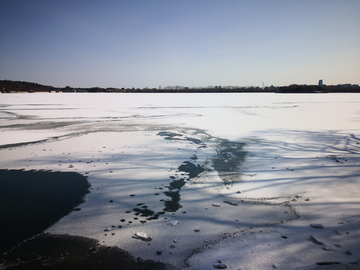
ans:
(320, 82)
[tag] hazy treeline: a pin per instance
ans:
(295, 88)
(7, 86)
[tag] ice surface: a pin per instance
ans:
(300, 167)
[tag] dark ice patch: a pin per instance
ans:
(228, 160)
(144, 212)
(191, 168)
(172, 136)
(169, 135)
(172, 205)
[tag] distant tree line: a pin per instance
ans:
(295, 88)
(7, 86)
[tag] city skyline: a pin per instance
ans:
(191, 43)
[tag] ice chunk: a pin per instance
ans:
(173, 222)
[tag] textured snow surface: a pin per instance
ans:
(289, 161)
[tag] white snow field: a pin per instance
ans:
(205, 181)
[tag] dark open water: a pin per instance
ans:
(30, 202)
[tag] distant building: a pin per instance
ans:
(320, 82)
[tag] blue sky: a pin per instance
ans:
(113, 43)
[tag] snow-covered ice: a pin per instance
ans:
(271, 164)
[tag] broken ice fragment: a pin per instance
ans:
(142, 236)
(317, 226)
(173, 222)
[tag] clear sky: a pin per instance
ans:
(138, 43)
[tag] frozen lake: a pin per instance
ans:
(224, 115)
(196, 172)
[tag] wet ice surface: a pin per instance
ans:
(194, 174)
